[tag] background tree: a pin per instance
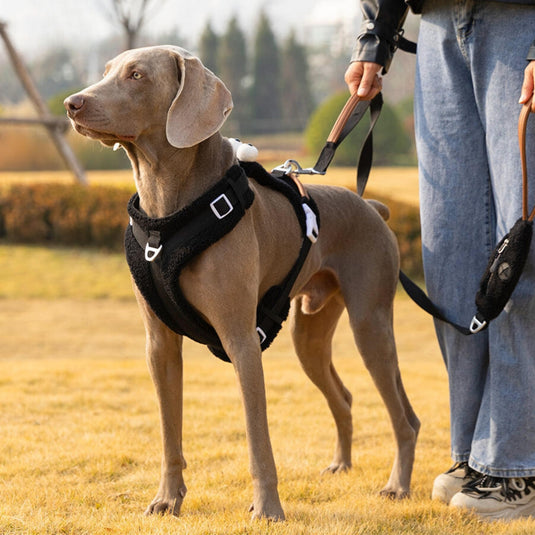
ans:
(232, 63)
(208, 48)
(131, 15)
(266, 88)
(297, 103)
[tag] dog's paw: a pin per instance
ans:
(395, 494)
(166, 506)
(336, 468)
(273, 513)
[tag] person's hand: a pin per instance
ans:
(362, 78)
(528, 85)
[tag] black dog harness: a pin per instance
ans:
(158, 249)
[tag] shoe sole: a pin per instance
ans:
(509, 512)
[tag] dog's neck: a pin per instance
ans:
(170, 179)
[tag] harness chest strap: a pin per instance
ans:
(167, 244)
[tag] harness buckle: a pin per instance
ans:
(311, 223)
(221, 206)
(262, 335)
(477, 325)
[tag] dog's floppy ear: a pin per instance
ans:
(201, 105)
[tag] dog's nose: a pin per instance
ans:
(74, 103)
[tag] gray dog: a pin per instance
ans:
(165, 108)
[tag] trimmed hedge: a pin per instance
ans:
(64, 214)
(96, 216)
(405, 223)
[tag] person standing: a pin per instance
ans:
(475, 64)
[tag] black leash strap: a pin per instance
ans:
(421, 299)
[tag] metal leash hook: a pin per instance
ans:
(292, 169)
(292, 166)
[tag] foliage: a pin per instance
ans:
(56, 71)
(64, 214)
(94, 155)
(266, 87)
(208, 48)
(392, 145)
(297, 103)
(405, 223)
(232, 69)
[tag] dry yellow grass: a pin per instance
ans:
(80, 443)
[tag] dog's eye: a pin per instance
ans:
(136, 75)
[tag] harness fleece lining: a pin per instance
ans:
(190, 231)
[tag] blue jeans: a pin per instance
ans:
(471, 60)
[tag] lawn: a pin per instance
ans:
(80, 447)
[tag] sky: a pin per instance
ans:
(36, 25)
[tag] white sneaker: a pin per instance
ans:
(451, 482)
(496, 498)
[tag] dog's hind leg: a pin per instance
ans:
(375, 340)
(312, 335)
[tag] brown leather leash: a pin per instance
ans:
(522, 128)
(342, 119)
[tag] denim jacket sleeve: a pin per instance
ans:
(382, 22)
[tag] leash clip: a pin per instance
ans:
(292, 166)
(477, 325)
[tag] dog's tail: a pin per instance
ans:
(383, 210)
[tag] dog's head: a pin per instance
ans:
(148, 90)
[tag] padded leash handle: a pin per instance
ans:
(342, 119)
(351, 114)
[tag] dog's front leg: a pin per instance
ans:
(247, 361)
(164, 358)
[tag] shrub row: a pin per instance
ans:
(64, 214)
(96, 216)
(405, 223)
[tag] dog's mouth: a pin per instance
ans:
(109, 138)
